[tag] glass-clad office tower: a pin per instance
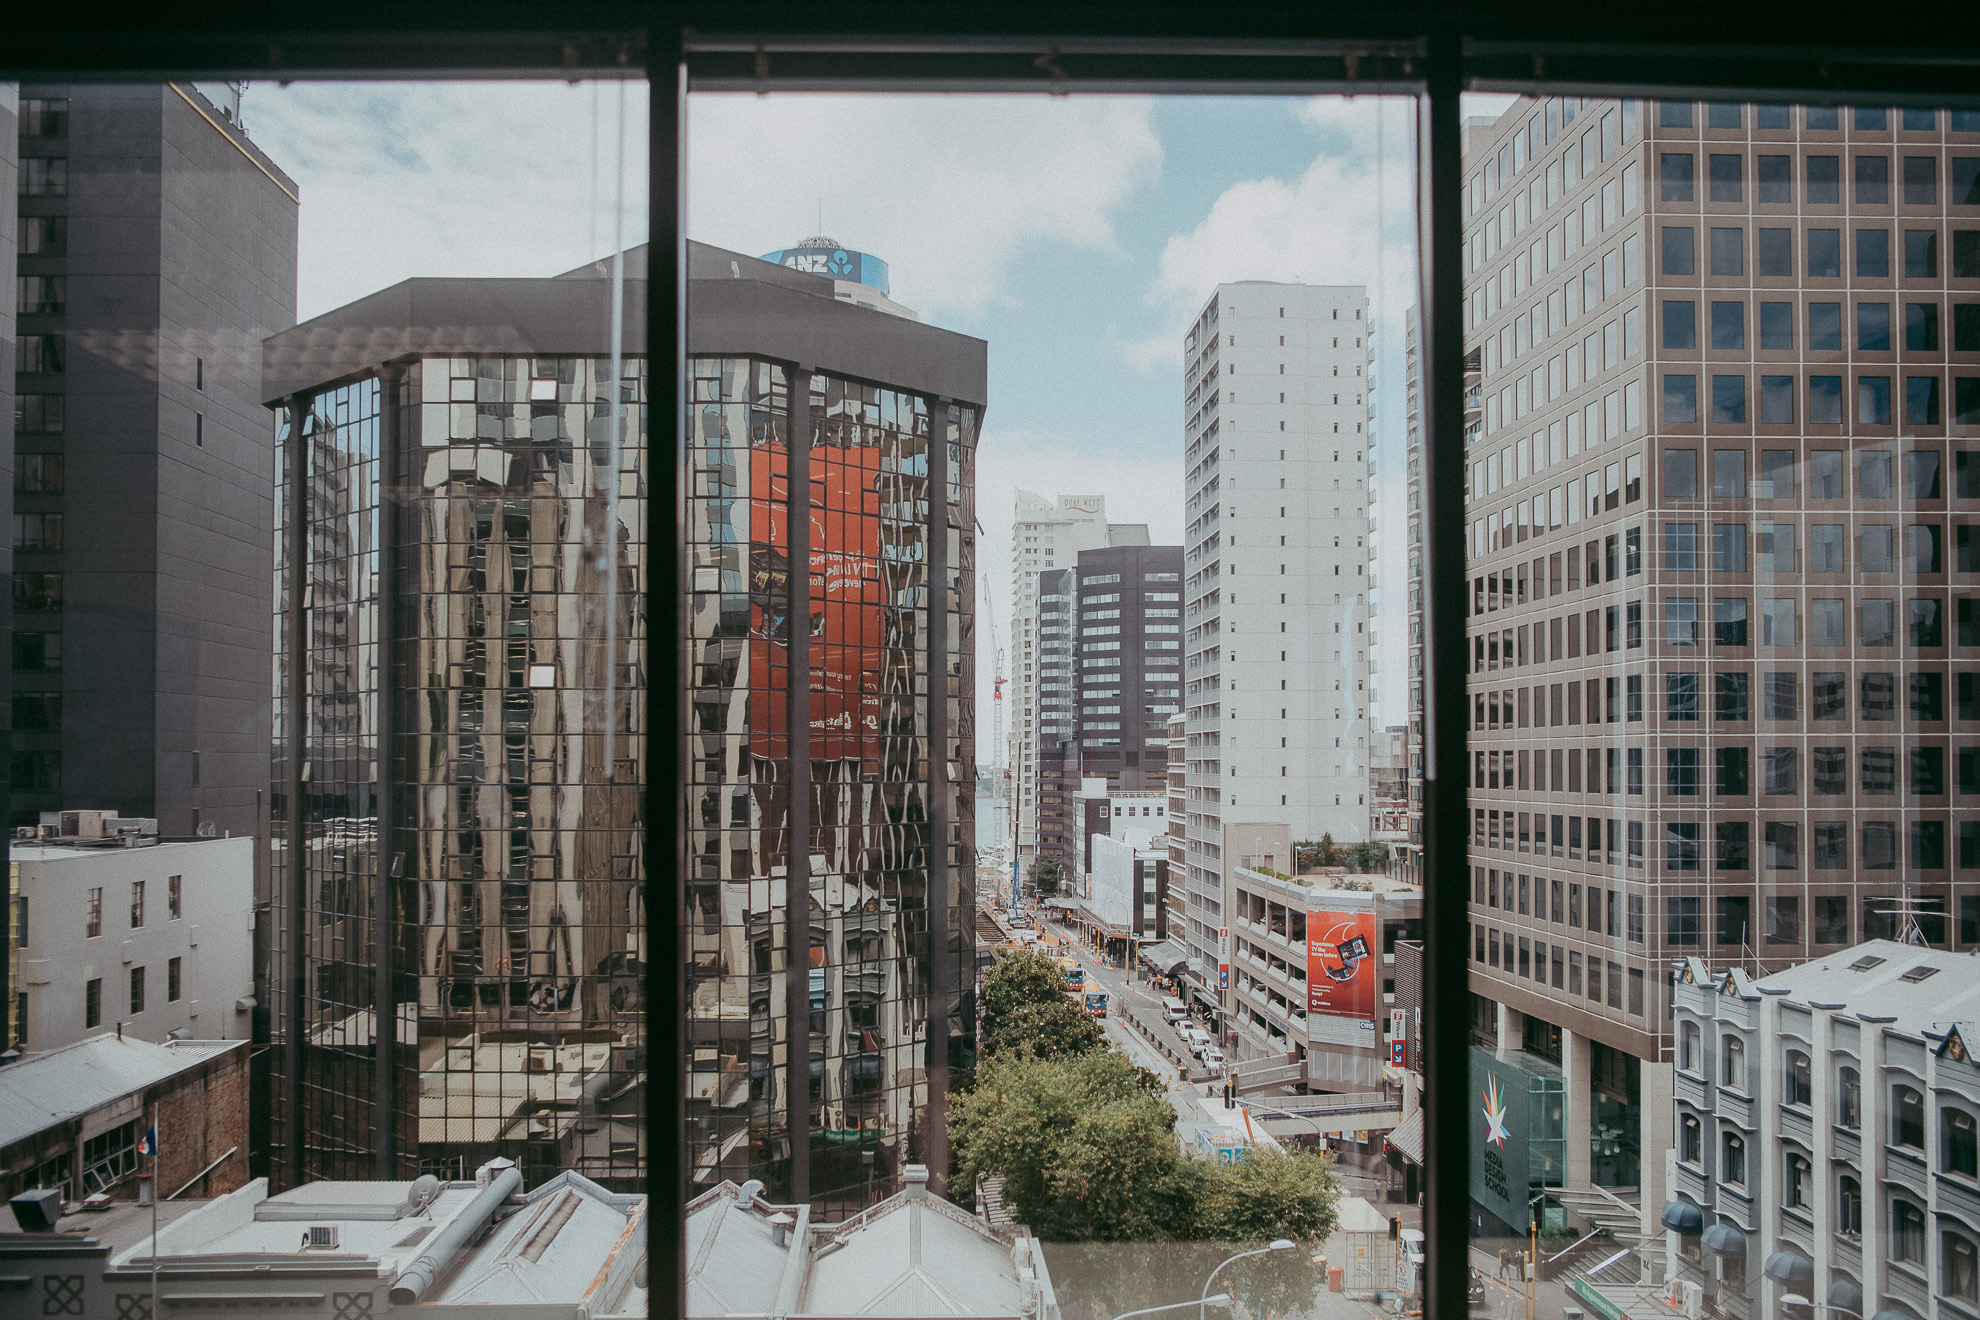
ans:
(458, 733)
(825, 433)
(460, 730)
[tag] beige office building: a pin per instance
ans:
(1722, 432)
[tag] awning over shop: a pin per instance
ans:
(1845, 1296)
(1409, 1138)
(1789, 1268)
(1208, 1000)
(1725, 1242)
(1683, 1217)
(1164, 957)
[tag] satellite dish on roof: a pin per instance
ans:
(425, 1191)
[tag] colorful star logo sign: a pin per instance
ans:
(1495, 1114)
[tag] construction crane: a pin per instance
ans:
(1002, 769)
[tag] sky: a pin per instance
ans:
(1078, 236)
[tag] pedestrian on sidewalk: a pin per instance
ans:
(1505, 1261)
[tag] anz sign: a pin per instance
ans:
(823, 257)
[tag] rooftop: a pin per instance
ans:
(567, 1242)
(913, 1254)
(54, 1087)
(19, 851)
(1916, 989)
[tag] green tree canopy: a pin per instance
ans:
(1269, 1194)
(1027, 977)
(1086, 1144)
(1044, 874)
(1056, 1028)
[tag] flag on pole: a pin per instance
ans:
(148, 1143)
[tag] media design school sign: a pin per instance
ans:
(1500, 1127)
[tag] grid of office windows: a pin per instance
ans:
(1725, 491)
(474, 655)
(859, 787)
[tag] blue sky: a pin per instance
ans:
(1077, 235)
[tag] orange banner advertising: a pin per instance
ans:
(847, 625)
(1343, 964)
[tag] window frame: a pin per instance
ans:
(1438, 54)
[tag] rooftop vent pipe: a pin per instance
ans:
(460, 1230)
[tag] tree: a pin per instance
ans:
(1044, 875)
(1086, 1145)
(1371, 857)
(1055, 1029)
(1269, 1194)
(1026, 977)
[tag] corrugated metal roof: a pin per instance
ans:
(45, 1089)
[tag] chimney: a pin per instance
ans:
(914, 1180)
(780, 1227)
(747, 1193)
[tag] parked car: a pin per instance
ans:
(1212, 1057)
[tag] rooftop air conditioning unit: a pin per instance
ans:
(322, 1237)
(84, 824)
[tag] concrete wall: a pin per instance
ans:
(181, 257)
(213, 939)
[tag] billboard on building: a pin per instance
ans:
(1343, 964)
(848, 629)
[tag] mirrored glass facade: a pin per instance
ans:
(857, 785)
(458, 752)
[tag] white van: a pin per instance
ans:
(1199, 1041)
(1174, 1012)
(1212, 1057)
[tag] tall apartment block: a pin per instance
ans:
(461, 730)
(1406, 858)
(1045, 538)
(1109, 656)
(1724, 472)
(1275, 577)
(156, 248)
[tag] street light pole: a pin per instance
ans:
(1277, 1244)
(1221, 1299)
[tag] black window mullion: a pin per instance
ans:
(665, 806)
(1446, 965)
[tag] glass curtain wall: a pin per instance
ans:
(474, 633)
(886, 1007)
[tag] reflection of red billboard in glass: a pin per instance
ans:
(847, 627)
(1343, 964)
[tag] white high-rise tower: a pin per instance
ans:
(1275, 575)
(1043, 536)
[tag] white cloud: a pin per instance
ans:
(948, 190)
(448, 179)
(1348, 218)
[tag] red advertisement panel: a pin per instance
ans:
(1343, 964)
(847, 624)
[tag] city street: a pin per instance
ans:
(1198, 1103)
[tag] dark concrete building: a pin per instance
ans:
(1109, 665)
(460, 731)
(156, 249)
(1127, 671)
